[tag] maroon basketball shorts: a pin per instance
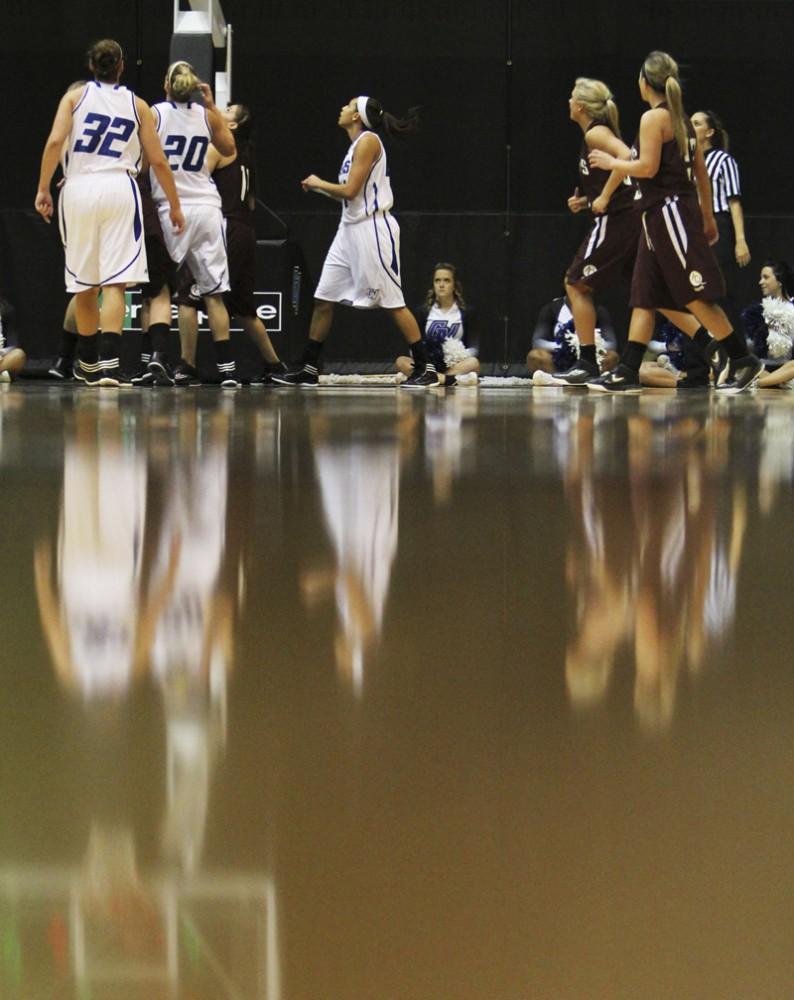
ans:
(608, 250)
(162, 270)
(674, 264)
(241, 248)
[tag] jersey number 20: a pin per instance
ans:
(190, 159)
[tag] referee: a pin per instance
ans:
(731, 250)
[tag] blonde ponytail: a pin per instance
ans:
(613, 116)
(675, 104)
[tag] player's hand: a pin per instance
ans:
(600, 160)
(177, 220)
(742, 253)
(599, 205)
(43, 205)
(310, 183)
(577, 202)
(711, 231)
(206, 94)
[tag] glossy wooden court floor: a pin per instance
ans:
(368, 695)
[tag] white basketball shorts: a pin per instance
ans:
(101, 226)
(362, 267)
(201, 245)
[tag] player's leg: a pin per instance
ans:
(63, 366)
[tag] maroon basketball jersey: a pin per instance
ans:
(674, 176)
(236, 186)
(593, 179)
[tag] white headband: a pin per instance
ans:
(361, 104)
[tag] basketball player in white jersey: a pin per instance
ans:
(107, 127)
(362, 267)
(187, 129)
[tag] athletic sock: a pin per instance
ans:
(158, 334)
(68, 343)
(701, 339)
(88, 349)
(587, 353)
(314, 348)
(419, 354)
(735, 346)
(632, 355)
(109, 346)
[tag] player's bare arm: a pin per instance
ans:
(652, 129)
(59, 133)
(222, 137)
(367, 152)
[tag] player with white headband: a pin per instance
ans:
(362, 267)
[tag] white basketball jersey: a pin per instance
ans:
(104, 132)
(375, 195)
(186, 137)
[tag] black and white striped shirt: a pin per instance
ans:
(723, 173)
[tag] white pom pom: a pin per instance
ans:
(454, 351)
(777, 345)
(601, 347)
(779, 318)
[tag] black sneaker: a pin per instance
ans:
(265, 377)
(450, 382)
(744, 375)
(142, 378)
(160, 369)
(185, 375)
(426, 379)
(306, 377)
(227, 372)
(718, 361)
(620, 379)
(104, 373)
(578, 376)
(62, 369)
(86, 371)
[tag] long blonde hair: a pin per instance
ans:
(660, 72)
(597, 100)
(181, 81)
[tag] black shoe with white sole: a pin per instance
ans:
(744, 374)
(620, 379)
(306, 376)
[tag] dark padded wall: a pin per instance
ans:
(458, 197)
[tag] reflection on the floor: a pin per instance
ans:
(356, 693)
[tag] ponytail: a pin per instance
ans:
(613, 116)
(675, 104)
(394, 127)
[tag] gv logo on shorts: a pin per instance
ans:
(696, 281)
(589, 269)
